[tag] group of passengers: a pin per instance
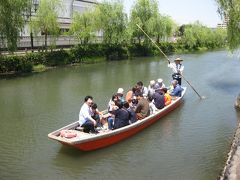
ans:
(138, 103)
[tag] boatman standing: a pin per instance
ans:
(177, 69)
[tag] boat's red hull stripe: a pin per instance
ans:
(107, 141)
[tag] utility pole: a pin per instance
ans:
(35, 4)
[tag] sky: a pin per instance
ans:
(186, 11)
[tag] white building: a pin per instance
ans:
(65, 14)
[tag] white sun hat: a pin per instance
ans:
(120, 91)
(160, 80)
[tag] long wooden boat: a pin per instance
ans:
(88, 142)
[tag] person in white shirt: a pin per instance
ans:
(177, 69)
(85, 119)
(151, 89)
(152, 107)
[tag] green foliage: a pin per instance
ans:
(230, 11)
(81, 52)
(111, 21)
(39, 68)
(197, 36)
(12, 21)
(36, 58)
(82, 26)
(115, 52)
(46, 19)
(144, 13)
(167, 47)
(149, 49)
(56, 58)
(161, 27)
(140, 50)
(16, 64)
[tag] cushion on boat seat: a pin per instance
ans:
(68, 133)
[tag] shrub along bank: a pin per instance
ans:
(90, 53)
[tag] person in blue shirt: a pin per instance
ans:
(177, 89)
(158, 98)
(121, 116)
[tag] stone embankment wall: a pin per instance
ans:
(231, 170)
(237, 103)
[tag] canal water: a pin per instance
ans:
(191, 142)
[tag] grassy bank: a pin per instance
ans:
(92, 53)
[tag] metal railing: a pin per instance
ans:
(39, 42)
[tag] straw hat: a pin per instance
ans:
(178, 59)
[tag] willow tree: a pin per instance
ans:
(199, 36)
(111, 21)
(143, 13)
(188, 37)
(161, 27)
(230, 11)
(45, 21)
(82, 26)
(12, 21)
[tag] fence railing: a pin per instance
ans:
(39, 41)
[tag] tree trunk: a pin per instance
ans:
(158, 39)
(45, 40)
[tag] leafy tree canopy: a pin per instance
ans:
(45, 21)
(230, 10)
(12, 20)
(82, 26)
(111, 21)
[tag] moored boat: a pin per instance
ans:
(88, 142)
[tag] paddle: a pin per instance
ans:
(201, 97)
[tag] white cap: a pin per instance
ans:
(152, 82)
(160, 80)
(120, 91)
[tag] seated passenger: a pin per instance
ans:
(151, 88)
(142, 109)
(121, 116)
(177, 89)
(132, 114)
(111, 107)
(167, 97)
(159, 84)
(96, 115)
(130, 95)
(170, 89)
(158, 98)
(142, 89)
(120, 94)
(85, 119)
(152, 107)
(134, 103)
